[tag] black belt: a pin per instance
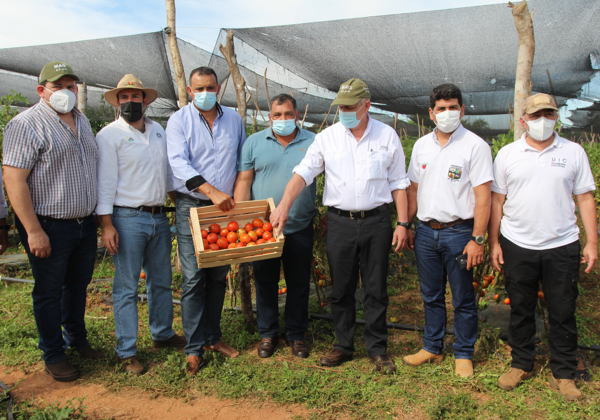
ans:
(434, 224)
(194, 199)
(79, 220)
(359, 214)
(149, 209)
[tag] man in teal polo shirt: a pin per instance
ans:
(268, 159)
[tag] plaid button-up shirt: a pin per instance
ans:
(62, 180)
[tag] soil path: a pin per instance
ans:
(134, 404)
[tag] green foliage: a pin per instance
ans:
(478, 124)
(8, 111)
(592, 149)
(454, 406)
(503, 140)
(28, 410)
(100, 117)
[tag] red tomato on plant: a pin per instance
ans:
(257, 223)
(233, 226)
(143, 275)
(212, 238)
(267, 227)
(214, 228)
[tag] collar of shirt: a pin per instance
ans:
(148, 126)
(557, 143)
(367, 130)
(300, 135)
(48, 110)
(455, 136)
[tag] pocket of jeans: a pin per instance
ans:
(125, 213)
(47, 225)
(461, 228)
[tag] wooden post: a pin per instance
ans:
(524, 25)
(175, 56)
(82, 98)
(267, 91)
(238, 81)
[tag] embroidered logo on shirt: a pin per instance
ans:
(158, 135)
(129, 139)
(454, 172)
(424, 165)
(558, 162)
(304, 150)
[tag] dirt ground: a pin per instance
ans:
(134, 404)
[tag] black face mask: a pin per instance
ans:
(132, 111)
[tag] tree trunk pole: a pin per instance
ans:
(176, 57)
(524, 25)
(82, 98)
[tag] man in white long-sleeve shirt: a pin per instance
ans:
(363, 162)
(134, 178)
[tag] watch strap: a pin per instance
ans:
(406, 225)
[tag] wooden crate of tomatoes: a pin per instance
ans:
(242, 234)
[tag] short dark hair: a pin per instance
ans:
(204, 71)
(445, 91)
(283, 98)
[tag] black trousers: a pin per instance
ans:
(352, 246)
(558, 270)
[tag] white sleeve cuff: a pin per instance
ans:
(400, 184)
(499, 190)
(305, 174)
(584, 190)
(104, 209)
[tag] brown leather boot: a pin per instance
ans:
(175, 341)
(62, 371)
(464, 368)
(267, 347)
(335, 358)
(422, 357)
(89, 353)
(299, 348)
(224, 349)
(194, 364)
(511, 379)
(131, 364)
(566, 388)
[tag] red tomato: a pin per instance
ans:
(224, 233)
(284, 290)
(245, 238)
(223, 243)
(240, 245)
(249, 227)
(257, 223)
(259, 232)
(212, 238)
(507, 301)
(260, 241)
(233, 226)
(205, 243)
(267, 227)
(253, 235)
(232, 237)
(214, 247)
(272, 240)
(231, 246)
(251, 243)
(204, 233)
(143, 275)
(214, 228)
(267, 235)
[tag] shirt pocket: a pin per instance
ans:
(456, 171)
(378, 163)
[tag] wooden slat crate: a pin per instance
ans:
(243, 212)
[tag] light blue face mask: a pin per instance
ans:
(284, 127)
(205, 100)
(349, 120)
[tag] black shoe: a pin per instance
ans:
(267, 347)
(335, 358)
(383, 364)
(62, 371)
(299, 348)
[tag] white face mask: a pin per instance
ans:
(447, 121)
(62, 100)
(541, 129)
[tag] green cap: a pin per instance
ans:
(54, 71)
(351, 92)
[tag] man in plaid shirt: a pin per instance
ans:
(50, 156)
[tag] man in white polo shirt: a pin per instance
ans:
(363, 162)
(450, 173)
(538, 175)
(134, 178)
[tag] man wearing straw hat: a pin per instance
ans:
(204, 144)
(363, 162)
(50, 174)
(134, 177)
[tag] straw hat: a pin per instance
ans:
(129, 81)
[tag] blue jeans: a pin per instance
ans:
(203, 290)
(61, 282)
(297, 261)
(144, 240)
(436, 251)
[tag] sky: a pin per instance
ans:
(36, 22)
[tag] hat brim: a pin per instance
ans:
(60, 76)
(535, 109)
(111, 95)
(346, 101)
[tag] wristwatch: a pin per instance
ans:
(406, 225)
(479, 240)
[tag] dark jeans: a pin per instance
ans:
(203, 290)
(296, 259)
(61, 281)
(558, 270)
(352, 246)
(436, 251)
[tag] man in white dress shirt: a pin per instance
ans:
(363, 162)
(538, 175)
(134, 178)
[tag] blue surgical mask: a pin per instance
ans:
(205, 100)
(284, 127)
(349, 120)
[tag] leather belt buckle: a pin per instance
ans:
(359, 214)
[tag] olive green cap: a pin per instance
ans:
(54, 71)
(351, 92)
